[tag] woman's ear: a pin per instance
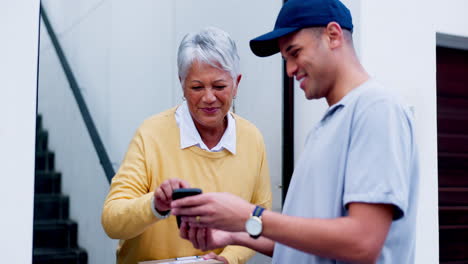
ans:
(234, 92)
(182, 85)
(239, 77)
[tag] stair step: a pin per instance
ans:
(47, 182)
(42, 139)
(55, 234)
(456, 250)
(50, 206)
(38, 122)
(453, 196)
(45, 160)
(59, 256)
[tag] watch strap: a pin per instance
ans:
(258, 211)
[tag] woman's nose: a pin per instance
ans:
(209, 96)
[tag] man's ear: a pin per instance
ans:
(335, 35)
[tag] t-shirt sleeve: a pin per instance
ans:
(379, 157)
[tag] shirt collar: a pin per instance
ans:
(347, 99)
(189, 135)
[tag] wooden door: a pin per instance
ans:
(452, 127)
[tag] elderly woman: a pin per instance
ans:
(199, 143)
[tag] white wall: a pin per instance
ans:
(18, 79)
(450, 17)
(124, 57)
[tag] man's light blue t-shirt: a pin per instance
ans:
(362, 150)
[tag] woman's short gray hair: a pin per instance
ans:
(210, 45)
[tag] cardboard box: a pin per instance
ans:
(186, 260)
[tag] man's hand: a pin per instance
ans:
(163, 194)
(205, 238)
(222, 211)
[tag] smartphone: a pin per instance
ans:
(184, 192)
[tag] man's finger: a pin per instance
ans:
(192, 233)
(201, 237)
(183, 231)
(191, 201)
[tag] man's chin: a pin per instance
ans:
(309, 96)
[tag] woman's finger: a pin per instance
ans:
(210, 255)
(160, 195)
(175, 184)
(184, 184)
(160, 200)
(167, 189)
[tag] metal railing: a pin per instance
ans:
(288, 131)
(93, 133)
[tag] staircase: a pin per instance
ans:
(55, 235)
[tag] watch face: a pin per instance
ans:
(254, 226)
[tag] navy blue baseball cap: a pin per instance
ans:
(298, 14)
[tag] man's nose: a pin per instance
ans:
(291, 68)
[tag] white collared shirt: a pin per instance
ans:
(189, 135)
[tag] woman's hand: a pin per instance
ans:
(205, 238)
(213, 255)
(163, 194)
(222, 211)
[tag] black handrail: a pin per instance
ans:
(288, 130)
(93, 133)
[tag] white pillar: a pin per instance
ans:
(19, 28)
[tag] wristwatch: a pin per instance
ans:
(254, 225)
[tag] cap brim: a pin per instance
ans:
(267, 44)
